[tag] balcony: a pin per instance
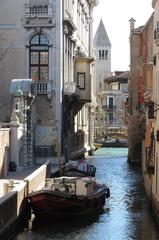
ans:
(39, 15)
(83, 77)
(71, 89)
(69, 25)
(42, 88)
(114, 92)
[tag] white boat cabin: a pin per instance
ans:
(73, 185)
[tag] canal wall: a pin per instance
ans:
(149, 185)
(12, 206)
(13, 199)
(36, 180)
(146, 176)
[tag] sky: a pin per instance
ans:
(116, 15)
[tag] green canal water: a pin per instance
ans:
(125, 215)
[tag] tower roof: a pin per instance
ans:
(101, 36)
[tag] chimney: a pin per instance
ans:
(132, 23)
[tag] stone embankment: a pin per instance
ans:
(13, 196)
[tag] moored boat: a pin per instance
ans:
(77, 168)
(69, 196)
(81, 168)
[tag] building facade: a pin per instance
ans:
(150, 160)
(147, 54)
(140, 84)
(50, 42)
(115, 106)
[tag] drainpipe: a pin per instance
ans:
(132, 24)
(59, 77)
(63, 81)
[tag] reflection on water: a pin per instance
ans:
(125, 217)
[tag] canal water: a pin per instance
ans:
(125, 217)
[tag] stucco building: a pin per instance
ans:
(50, 42)
(144, 52)
(115, 104)
(151, 150)
(140, 84)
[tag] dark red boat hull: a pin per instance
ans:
(52, 203)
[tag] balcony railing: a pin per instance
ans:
(42, 88)
(38, 11)
(115, 92)
(70, 88)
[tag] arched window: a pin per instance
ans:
(106, 54)
(103, 54)
(39, 58)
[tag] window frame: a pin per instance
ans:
(40, 10)
(41, 45)
(81, 85)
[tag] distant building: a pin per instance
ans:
(102, 48)
(115, 107)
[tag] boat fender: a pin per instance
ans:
(107, 195)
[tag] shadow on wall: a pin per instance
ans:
(13, 209)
